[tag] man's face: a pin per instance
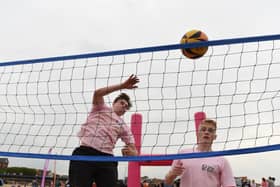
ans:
(206, 133)
(120, 107)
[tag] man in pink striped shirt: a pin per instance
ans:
(202, 172)
(98, 136)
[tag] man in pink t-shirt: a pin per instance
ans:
(98, 136)
(202, 172)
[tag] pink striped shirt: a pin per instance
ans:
(103, 128)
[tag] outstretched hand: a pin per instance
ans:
(178, 169)
(131, 82)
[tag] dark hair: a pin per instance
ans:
(125, 97)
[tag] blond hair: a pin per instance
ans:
(211, 121)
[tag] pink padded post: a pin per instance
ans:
(134, 168)
(155, 162)
(198, 117)
(134, 172)
(45, 170)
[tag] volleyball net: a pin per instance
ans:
(43, 102)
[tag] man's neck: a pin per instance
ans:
(204, 147)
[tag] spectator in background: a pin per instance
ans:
(245, 183)
(253, 184)
(273, 179)
(35, 183)
(264, 183)
(145, 184)
(271, 182)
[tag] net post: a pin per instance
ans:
(134, 173)
(45, 170)
(198, 117)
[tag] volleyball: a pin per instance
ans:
(191, 37)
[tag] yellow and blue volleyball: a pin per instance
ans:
(191, 37)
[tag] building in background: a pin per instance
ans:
(4, 162)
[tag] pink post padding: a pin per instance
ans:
(45, 170)
(136, 128)
(156, 162)
(198, 117)
(134, 172)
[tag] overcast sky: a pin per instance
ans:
(37, 28)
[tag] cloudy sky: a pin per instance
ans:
(36, 28)
(33, 28)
